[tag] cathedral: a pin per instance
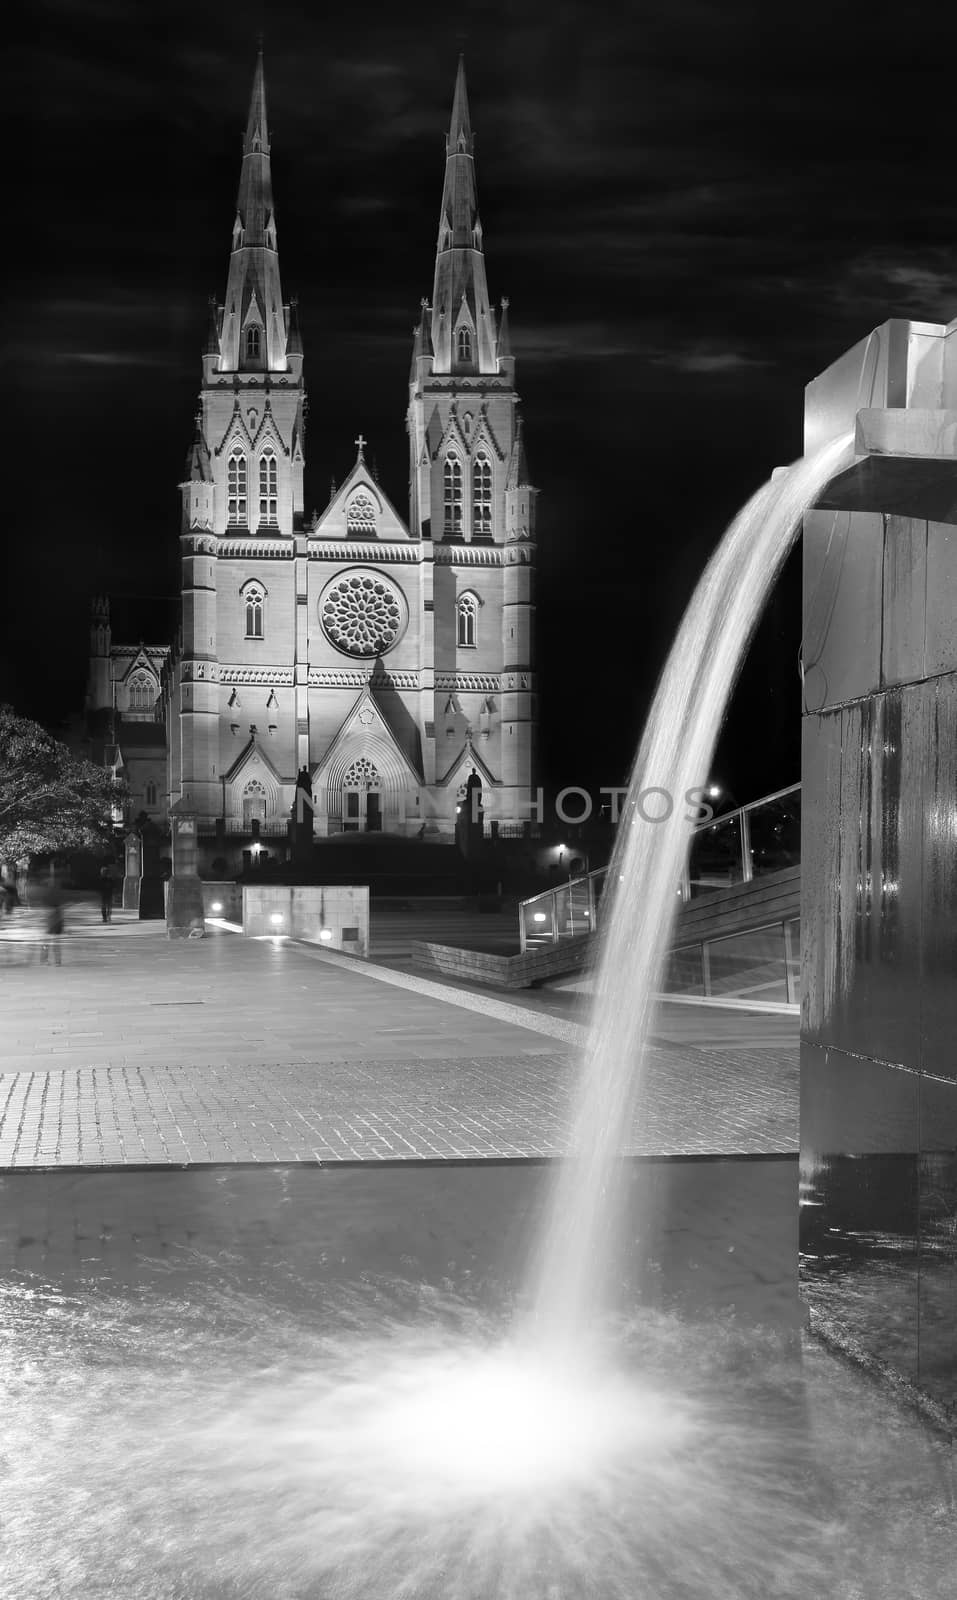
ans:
(375, 661)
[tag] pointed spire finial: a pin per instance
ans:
(257, 131)
(459, 139)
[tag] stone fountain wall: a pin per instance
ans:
(879, 862)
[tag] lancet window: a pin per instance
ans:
(482, 497)
(253, 343)
(268, 486)
(360, 516)
(142, 692)
(254, 802)
(236, 489)
(453, 495)
(464, 344)
(254, 604)
(467, 615)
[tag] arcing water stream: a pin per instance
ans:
(674, 758)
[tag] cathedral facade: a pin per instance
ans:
(377, 660)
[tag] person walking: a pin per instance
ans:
(106, 893)
(52, 926)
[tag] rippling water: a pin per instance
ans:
(393, 1445)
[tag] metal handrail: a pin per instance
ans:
(740, 815)
(597, 872)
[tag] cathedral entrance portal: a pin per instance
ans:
(362, 798)
(254, 804)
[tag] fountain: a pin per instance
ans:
(323, 1432)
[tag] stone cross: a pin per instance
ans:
(361, 443)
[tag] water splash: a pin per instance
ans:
(674, 757)
(247, 1452)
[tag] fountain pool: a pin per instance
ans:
(286, 1384)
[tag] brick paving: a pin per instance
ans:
(141, 1050)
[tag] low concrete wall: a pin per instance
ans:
(506, 972)
(303, 911)
(228, 896)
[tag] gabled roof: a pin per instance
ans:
(331, 523)
(365, 731)
(252, 749)
(467, 758)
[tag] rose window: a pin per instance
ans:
(362, 614)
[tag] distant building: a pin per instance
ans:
(125, 719)
(386, 658)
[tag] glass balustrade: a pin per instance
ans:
(747, 843)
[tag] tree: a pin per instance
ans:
(50, 801)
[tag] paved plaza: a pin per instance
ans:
(141, 1050)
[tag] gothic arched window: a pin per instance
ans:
(467, 613)
(254, 802)
(453, 495)
(482, 497)
(151, 794)
(360, 516)
(254, 601)
(236, 489)
(268, 486)
(253, 343)
(142, 692)
(464, 344)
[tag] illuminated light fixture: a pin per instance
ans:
(539, 916)
(216, 906)
(276, 918)
(256, 848)
(714, 791)
(325, 935)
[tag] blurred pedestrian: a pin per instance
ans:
(52, 926)
(106, 893)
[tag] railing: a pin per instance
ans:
(565, 912)
(748, 843)
(757, 965)
(269, 828)
(737, 847)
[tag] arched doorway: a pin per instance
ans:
(362, 797)
(254, 803)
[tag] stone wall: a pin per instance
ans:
(306, 912)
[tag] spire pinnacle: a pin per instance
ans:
(462, 325)
(253, 330)
(257, 128)
(459, 139)
(504, 345)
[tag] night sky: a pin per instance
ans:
(693, 208)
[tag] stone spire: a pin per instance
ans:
(253, 329)
(463, 331)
